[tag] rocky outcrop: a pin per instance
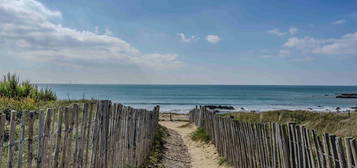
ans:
(347, 95)
(219, 107)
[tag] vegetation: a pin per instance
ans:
(201, 135)
(11, 87)
(17, 95)
(185, 125)
(224, 162)
(340, 124)
(158, 147)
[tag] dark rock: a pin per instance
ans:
(347, 95)
(242, 108)
(220, 107)
(355, 108)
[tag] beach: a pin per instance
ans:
(244, 98)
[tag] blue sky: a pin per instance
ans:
(180, 42)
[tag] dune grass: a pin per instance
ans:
(12, 87)
(156, 154)
(24, 96)
(200, 135)
(188, 124)
(340, 124)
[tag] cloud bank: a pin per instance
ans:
(30, 30)
(338, 22)
(277, 32)
(347, 44)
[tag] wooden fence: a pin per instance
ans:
(257, 145)
(96, 135)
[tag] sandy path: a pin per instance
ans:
(202, 155)
(175, 152)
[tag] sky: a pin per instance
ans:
(259, 42)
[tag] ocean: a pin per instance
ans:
(182, 98)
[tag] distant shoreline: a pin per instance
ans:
(193, 84)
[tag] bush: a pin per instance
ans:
(11, 87)
(18, 105)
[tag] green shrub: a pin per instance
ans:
(201, 135)
(11, 87)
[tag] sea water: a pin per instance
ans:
(182, 98)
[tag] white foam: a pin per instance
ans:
(187, 108)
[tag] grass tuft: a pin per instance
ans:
(158, 147)
(185, 125)
(223, 161)
(201, 135)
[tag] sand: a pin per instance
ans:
(202, 155)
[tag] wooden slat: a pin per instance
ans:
(319, 150)
(22, 138)
(12, 136)
(80, 158)
(88, 134)
(76, 134)
(349, 157)
(30, 139)
(95, 136)
(2, 133)
(47, 135)
(66, 137)
(327, 153)
(340, 154)
(41, 133)
(334, 151)
(56, 158)
(354, 151)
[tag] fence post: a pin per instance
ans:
(12, 137)
(30, 139)
(58, 138)
(22, 138)
(2, 133)
(46, 138)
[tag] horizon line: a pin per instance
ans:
(186, 84)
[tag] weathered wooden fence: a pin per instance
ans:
(257, 145)
(96, 135)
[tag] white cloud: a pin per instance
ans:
(284, 53)
(293, 30)
(213, 39)
(96, 29)
(28, 30)
(338, 22)
(347, 44)
(108, 32)
(267, 56)
(159, 61)
(185, 39)
(276, 32)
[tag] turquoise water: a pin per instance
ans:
(182, 98)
